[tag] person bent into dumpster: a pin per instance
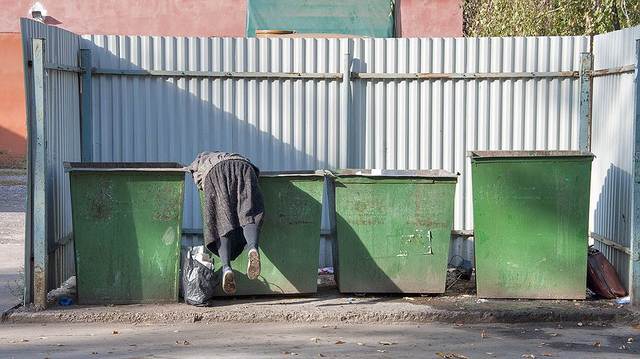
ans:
(233, 210)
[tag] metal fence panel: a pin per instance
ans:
(62, 135)
(613, 144)
(297, 124)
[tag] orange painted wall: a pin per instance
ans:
(13, 128)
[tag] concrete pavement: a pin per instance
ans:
(12, 217)
(284, 340)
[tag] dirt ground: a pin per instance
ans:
(12, 216)
(282, 340)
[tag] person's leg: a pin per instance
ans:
(251, 233)
(224, 251)
(228, 279)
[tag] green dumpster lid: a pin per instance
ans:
(439, 174)
(300, 173)
(123, 167)
(527, 154)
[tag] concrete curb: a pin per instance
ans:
(334, 310)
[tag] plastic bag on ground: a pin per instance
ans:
(67, 289)
(198, 279)
(602, 277)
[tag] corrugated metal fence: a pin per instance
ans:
(613, 127)
(401, 121)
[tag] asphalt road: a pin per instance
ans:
(12, 217)
(279, 340)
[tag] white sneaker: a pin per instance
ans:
(253, 267)
(228, 282)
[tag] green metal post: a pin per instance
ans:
(28, 235)
(634, 266)
(344, 159)
(39, 227)
(85, 107)
(586, 65)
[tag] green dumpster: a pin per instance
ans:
(531, 216)
(290, 237)
(127, 226)
(393, 230)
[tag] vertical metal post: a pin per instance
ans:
(39, 228)
(329, 200)
(28, 234)
(586, 65)
(86, 130)
(634, 266)
(345, 155)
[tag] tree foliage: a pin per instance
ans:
(548, 17)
